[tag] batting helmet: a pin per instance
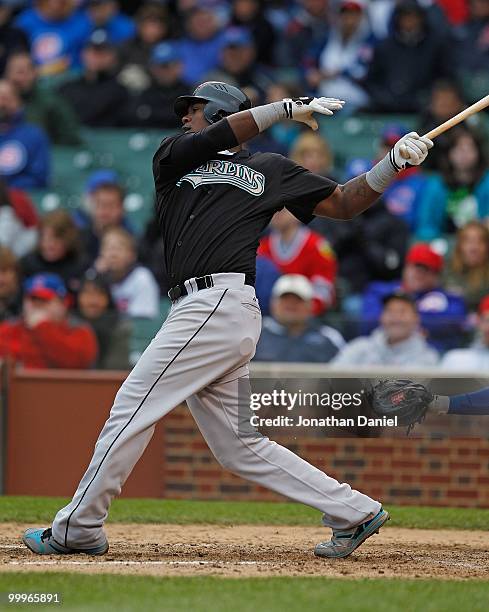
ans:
(221, 100)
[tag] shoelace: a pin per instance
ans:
(46, 534)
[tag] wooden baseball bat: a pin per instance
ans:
(458, 118)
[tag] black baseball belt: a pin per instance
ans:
(196, 284)
(201, 282)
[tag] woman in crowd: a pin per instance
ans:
(133, 286)
(96, 307)
(461, 192)
(468, 271)
(312, 151)
(58, 251)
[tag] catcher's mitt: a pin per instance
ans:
(405, 399)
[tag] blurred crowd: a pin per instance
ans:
(406, 283)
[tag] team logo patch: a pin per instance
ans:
(226, 172)
(46, 47)
(435, 301)
(13, 157)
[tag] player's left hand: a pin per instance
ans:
(410, 149)
(302, 109)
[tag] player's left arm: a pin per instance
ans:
(349, 200)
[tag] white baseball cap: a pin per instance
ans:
(293, 283)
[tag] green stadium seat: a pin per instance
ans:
(128, 152)
(144, 330)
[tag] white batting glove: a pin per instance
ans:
(410, 149)
(302, 109)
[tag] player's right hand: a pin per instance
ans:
(410, 149)
(302, 109)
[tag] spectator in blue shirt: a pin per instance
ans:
(267, 274)
(24, 148)
(201, 47)
(105, 14)
(442, 314)
(292, 335)
(403, 196)
(57, 32)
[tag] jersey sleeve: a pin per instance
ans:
(179, 154)
(301, 190)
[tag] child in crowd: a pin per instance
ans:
(96, 307)
(58, 251)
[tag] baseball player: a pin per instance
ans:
(214, 198)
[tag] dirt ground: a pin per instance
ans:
(242, 551)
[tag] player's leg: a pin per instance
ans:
(225, 425)
(203, 338)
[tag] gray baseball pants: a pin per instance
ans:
(201, 354)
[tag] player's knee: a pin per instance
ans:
(226, 458)
(235, 456)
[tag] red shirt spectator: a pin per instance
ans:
(24, 207)
(295, 249)
(45, 337)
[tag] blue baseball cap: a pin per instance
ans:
(101, 177)
(392, 132)
(165, 53)
(237, 37)
(45, 286)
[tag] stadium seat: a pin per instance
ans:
(128, 152)
(358, 136)
(144, 330)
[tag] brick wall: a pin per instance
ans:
(402, 470)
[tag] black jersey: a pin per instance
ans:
(212, 207)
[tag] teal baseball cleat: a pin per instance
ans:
(42, 542)
(343, 542)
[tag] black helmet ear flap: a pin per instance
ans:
(246, 105)
(217, 116)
